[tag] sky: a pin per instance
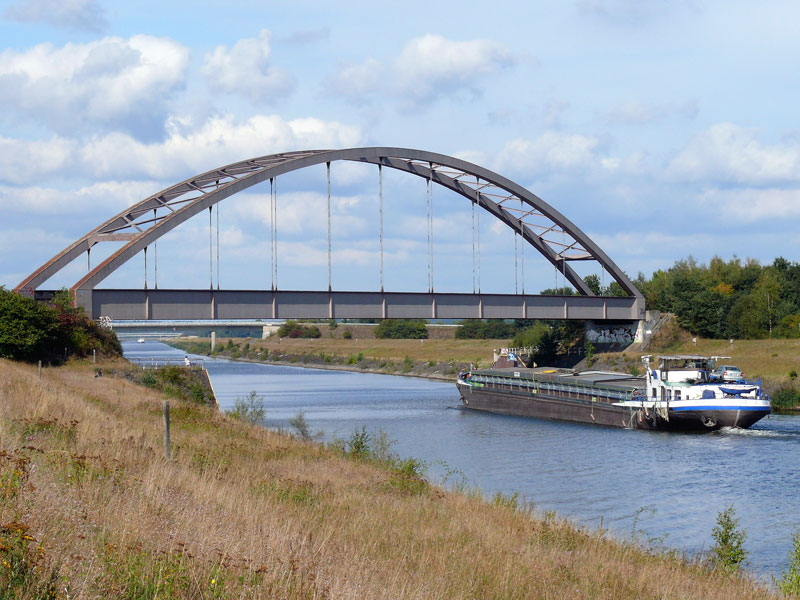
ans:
(662, 129)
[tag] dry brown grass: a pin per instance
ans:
(242, 512)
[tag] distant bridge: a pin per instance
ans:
(537, 223)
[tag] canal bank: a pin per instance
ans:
(242, 511)
(409, 358)
(650, 485)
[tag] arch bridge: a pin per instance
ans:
(537, 223)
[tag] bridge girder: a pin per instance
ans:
(535, 220)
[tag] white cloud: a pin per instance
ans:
(85, 15)
(428, 68)
(358, 83)
(551, 150)
(103, 198)
(220, 140)
(23, 161)
(245, 69)
(111, 83)
(729, 153)
(752, 204)
(432, 66)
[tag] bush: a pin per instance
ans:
(789, 583)
(485, 330)
(250, 409)
(293, 329)
(532, 337)
(302, 429)
(347, 334)
(358, 444)
(728, 551)
(785, 398)
(31, 330)
(407, 329)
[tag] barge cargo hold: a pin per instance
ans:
(677, 396)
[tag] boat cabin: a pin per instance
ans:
(683, 368)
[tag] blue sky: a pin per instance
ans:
(662, 129)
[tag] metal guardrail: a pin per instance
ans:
(155, 363)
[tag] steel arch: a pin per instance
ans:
(537, 221)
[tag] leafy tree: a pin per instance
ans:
(728, 552)
(532, 337)
(593, 281)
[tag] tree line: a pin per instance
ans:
(728, 299)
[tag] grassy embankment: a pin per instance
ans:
(89, 508)
(442, 358)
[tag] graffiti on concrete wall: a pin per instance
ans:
(612, 335)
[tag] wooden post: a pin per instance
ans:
(166, 429)
(40, 369)
(94, 355)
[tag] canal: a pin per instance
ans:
(662, 487)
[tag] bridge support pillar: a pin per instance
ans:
(213, 340)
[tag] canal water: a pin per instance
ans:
(659, 487)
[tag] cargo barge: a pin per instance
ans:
(678, 395)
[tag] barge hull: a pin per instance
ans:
(544, 406)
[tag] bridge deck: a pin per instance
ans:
(256, 304)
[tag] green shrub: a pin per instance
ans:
(785, 398)
(486, 330)
(293, 329)
(197, 392)
(302, 428)
(250, 409)
(32, 330)
(413, 329)
(149, 379)
(789, 583)
(589, 353)
(347, 334)
(358, 444)
(728, 552)
(408, 364)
